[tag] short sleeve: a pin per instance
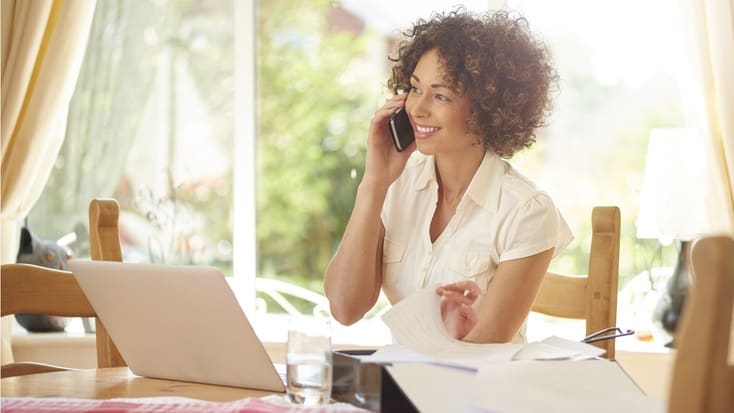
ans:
(532, 227)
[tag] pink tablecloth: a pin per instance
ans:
(270, 404)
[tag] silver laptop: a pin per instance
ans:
(177, 322)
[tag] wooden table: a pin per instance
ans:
(650, 371)
(113, 383)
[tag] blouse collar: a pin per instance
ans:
(484, 188)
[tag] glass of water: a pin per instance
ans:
(308, 358)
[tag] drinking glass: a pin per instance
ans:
(308, 359)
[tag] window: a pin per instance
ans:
(232, 133)
(150, 123)
(616, 86)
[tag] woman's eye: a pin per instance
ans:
(442, 97)
(415, 90)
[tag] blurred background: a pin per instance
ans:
(233, 134)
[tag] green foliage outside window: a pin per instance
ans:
(314, 104)
(313, 122)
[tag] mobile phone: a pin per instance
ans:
(400, 130)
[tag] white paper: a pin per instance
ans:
(434, 388)
(416, 325)
(559, 386)
(509, 377)
(416, 322)
(395, 353)
(557, 348)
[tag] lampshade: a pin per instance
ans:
(672, 202)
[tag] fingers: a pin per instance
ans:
(452, 297)
(379, 120)
(463, 285)
(458, 319)
(400, 98)
(467, 311)
(467, 288)
(392, 104)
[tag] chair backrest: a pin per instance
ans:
(592, 297)
(104, 245)
(28, 288)
(33, 289)
(703, 375)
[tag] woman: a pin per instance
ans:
(454, 213)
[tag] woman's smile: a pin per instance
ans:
(424, 131)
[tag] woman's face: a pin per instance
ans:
(438, 113)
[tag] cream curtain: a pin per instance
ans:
(43, 44)
(709, 29)
(711, 48)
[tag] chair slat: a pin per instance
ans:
(592, 297)
(28, 288)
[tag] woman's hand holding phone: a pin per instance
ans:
(384, 164)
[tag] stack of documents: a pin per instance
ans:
(439, 373)
(418, 330)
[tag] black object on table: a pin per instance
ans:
(367, 385)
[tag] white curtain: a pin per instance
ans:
(43, 44)
(708, 27)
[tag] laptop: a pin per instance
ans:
(178, 323)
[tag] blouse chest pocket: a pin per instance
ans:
(470, 264)
(392, 251)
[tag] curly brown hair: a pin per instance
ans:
(494, 57)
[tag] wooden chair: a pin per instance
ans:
(104, 245)
(593, 297)
(703, 376)
(29, 288)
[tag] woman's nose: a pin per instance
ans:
(418, 108)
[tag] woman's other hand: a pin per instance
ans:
(457, 311)
(384, 163)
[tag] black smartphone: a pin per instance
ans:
(400, 130)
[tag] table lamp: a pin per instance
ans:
(672, 208)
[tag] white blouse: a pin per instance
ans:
(502, 216)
